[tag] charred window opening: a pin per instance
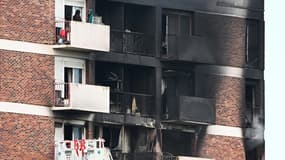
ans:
(257, 153)
(254, 110)
(252, 43)
(175, 84)
(138, 139)
(111, 136)
(132, 28)
(176, 28)
(177, 143)
(132, 87)
(125, 139)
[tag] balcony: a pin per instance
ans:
(195, 110)
(82, 149)
(185, 48)
(70, 96)
(132, 43)
(132, 103)
(80, 36)
(129, 108)
(153, 156)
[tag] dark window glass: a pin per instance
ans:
(185, 26)
(77, 75)
(67, 132)
(252, 43)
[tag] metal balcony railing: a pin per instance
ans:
(132, 43)
(131, 103)
(63, 30)
(62, 94)
(169, 157)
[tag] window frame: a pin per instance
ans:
(60, 128)
(60, 8)
(249, 49)
(257, 109)
(165, 33)
(63, 62)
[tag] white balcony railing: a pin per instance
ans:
(83, 36)
(82, 150)
(70, 96)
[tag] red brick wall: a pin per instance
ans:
(228, 34)
(26, 78)
(26, 137)
(229, 94)
(27, 20)
(222, 148)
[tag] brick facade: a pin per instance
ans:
(222, 148)
(229, 95)
(26, 78)
(29, 20)
(29, 78)
(228, 35)
(26, 137)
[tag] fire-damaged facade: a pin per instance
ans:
(132, 79)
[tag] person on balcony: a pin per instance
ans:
(77, 16)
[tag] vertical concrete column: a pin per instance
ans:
(90, 130)
(158, 138)
(90, 69)
(158, 78)
(158, 14)
(90, 79)
(100, 132)
(262, 43)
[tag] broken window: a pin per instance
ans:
(256, 153)
(176, 83)
(177, 143)
(253, 111)
(138, 139)
(132, 87)
(111, 136)
(132, 28)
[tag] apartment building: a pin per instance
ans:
(156, 79)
